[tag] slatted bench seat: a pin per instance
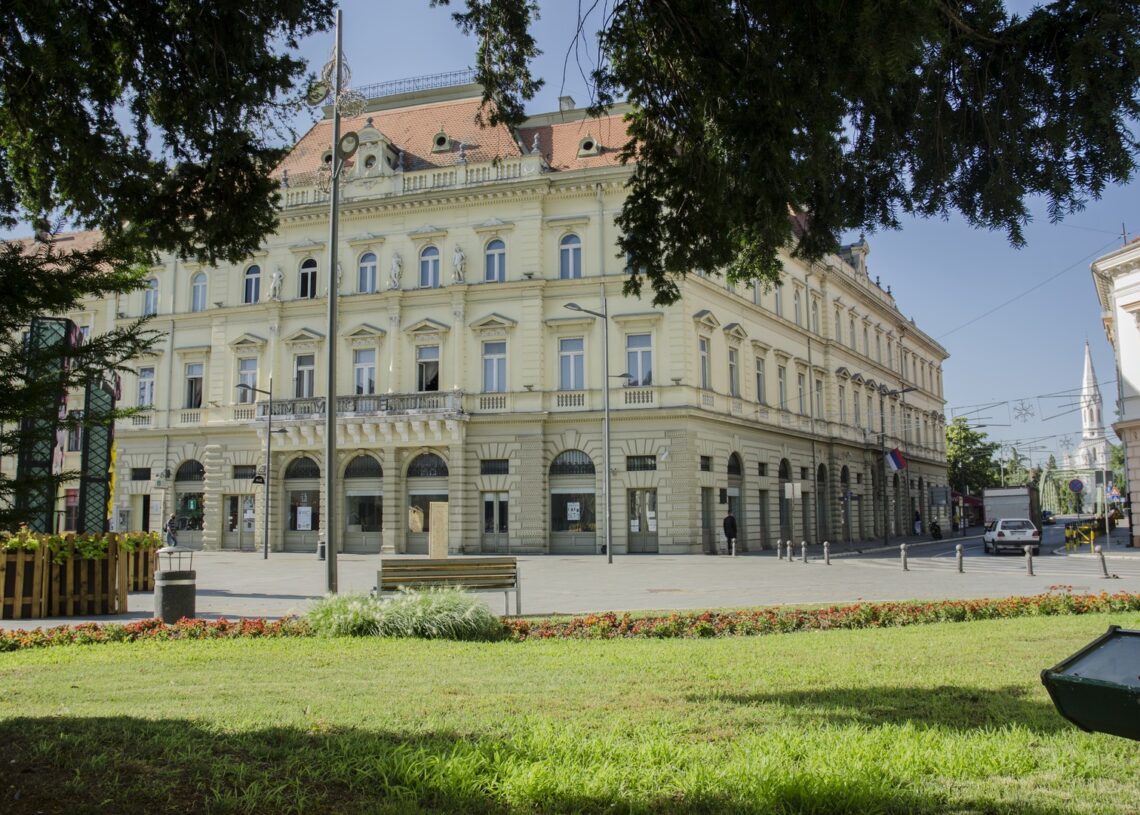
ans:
(471, 573)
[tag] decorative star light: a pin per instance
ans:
(1023, 411)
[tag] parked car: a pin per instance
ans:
(1011, 533)
(1047, 518)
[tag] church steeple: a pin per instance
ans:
(1091, 426)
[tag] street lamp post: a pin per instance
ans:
(606, 482)
(883, 394)
(268, 452)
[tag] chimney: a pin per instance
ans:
(565, 103)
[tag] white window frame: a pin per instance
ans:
(150, 298)
(639, 359)
(429, 267)
(495, 261)
(304, 375)
(571, 363)
(364, 371)
(495, 366)
(570, 257)
(782, 385)
(427, 356)
(733, 372)
(366, 273)
(247, 375)
(307, 279)
(703, 370)
(797, 308)
(801, 388)
(146, 387)
(198, 292)
(761, 382)
(195, 372)
(251, 285)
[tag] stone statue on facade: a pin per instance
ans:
(397, 269)
(275, 284)
(458, 265)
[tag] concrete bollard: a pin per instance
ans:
(780, 549)
(732, 546)
(826, 553)
(958, 555)
(1103, 565)
(902, 556)
(791, 557)
(1029, 560)
(803, 551)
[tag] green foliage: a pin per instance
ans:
(1118, 467)
(969, 457)
(764, 124)
(92, 546)
(431, 614)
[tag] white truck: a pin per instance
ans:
(1012, 502)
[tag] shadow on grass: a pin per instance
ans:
(946, 706)
(121, 764)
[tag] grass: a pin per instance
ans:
(947, 718)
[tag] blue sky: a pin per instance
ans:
(1024, 359)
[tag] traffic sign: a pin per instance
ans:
(1076, 485)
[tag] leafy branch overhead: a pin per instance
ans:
(848, 115)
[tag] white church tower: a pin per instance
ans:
(1093, 450)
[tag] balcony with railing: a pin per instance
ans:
(437, 404)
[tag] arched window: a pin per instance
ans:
(307, 284)
(302, 468)
(570, 257)
(251, 292)
(150, 298)
(191, 470)
(797, 311)
(429, 268)
(366, 273)
(198, 292)
(427, 465)
(572, 462)
(364, 467)
(735, 467)
(495, 262)
(815, 316)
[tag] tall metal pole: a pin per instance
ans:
(268, 459)
(883, 465)
(331, 337)
(606, 427)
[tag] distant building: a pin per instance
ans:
(1092, 452)
(1117, 280)
(464, 379)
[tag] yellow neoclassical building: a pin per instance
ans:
(464, 378)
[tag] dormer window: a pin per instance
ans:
(369, 162)
(441, 143)
(588, 146)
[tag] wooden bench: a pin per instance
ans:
(471, 573)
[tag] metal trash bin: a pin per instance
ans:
(175, 587)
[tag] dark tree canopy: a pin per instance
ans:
(850, 114)
(153, 121)
(970, 458)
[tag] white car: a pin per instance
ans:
(1011, 533)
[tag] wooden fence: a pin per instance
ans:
(42, 583)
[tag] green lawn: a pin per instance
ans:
(941, 718)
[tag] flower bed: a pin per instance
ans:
(747, 622)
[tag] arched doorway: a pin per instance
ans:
(427, 485)
(189, 502)
(822, 505)
(573, 524)
(363, 505)
(846, 497)
(785, 501)
(735, 502)
(303, 502)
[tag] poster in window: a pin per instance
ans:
(304, 519)
(573, 511)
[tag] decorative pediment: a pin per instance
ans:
(493, 226)
(248, 342)
(872, 384)
(735, 331)
(565, 221)
(566, 322)
(782, 356)
(760, 349)
(364, 335)
(366, 240)
(706, 318)
(427, 326)
(307, 247)
(304, 337)
(637, 317)
(427, 233)
(842, 372)
(493, 325)
(857, 378)
(193, 351)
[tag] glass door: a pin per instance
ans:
(642, 520)
(495, 536)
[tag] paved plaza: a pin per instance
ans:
(243, 584)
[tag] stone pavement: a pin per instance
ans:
(243, 584)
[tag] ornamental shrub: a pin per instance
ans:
(444, 613)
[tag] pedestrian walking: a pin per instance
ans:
(917, 523)
(171, 530)
(729, 531)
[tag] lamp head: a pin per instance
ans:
(573, 307)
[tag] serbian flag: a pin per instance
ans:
(895, 460)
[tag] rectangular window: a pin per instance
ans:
(797, 307)
(801, 393)
(364, 371)
(762, 468)
(75, 432)
(495, 367)
(247, 375)
(870, 413)
(761, 386)
(778, 293)
(782, 386)
(571, 364)
(146, 387)
(838, 326)
(878, 348)
(427, 368)
(636, 463)
(70, 510)
(639, 359)
(304, 375)
(703, 361)
(855, 407)
(706, 464)
(84, 333)
(851, 333)
(804, 476)
(244, 472)
(150, 298)
(733, 373)
(842, 405)
(307, 290)
(194, 372)
(866, 345)
(494, 466)
(894, 431)
(890, 354)
(819, 398)
(140, 473)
